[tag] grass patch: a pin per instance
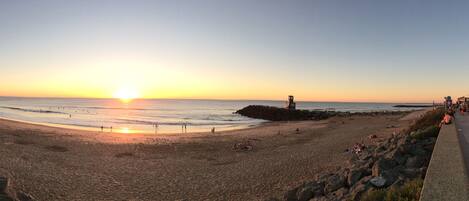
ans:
(431, 131)
(374, 195)
(410, 191)
(431, 118)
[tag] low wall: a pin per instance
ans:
(446, 177)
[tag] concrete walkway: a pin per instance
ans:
(447, 175)
(462, 127)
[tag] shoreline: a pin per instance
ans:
(137, 132)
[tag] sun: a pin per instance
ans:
(126, 94)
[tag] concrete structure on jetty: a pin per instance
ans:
(291, 105)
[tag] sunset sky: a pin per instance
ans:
(378, 51)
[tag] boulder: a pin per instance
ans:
(411, 172)
(357, 191)
(364, 180)
(304, 194)
(390, 176)
(317, 188)
(291, 195)
(322, 198)
(339, 194)
(418, 149)
(355, 175)
(378, 181)
(334, 182)
(309, 190)
(397, 156)
(4, 197)
(3, 184)
(382, 165)
(414, 162)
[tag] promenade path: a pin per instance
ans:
(447, 174)
(462, 127)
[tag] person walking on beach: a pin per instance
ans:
(213, 130)
(102, 128)
(111, 129)
(185, 127)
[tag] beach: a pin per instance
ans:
(64, 164)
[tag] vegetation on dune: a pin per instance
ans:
(410, 191)
(431, 118)
(431, 131)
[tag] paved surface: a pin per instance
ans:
(447, 178)
(462, 127)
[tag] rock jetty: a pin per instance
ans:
(282, 114)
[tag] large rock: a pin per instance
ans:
(334, 182)
(304, 194)
(411, 172)
(310, 190)
(355, 175)
(418, 150)
(291, 195)
(340, 194)
(4, 197)
(382, 165)
(414, 162)
(357, 191)
(396, 156)
(378, 181)
(390, 176)
(3, 184)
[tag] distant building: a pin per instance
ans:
(463, 99)
(291, 103)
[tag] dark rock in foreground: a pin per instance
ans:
(281, 114)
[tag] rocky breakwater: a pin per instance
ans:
(282, 114)
(383, 165)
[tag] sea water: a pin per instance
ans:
(157, 116)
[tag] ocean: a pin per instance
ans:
(141, 115)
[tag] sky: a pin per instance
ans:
(366, 51)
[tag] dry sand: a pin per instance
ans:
(61, 164)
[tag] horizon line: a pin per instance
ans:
(214, 99)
